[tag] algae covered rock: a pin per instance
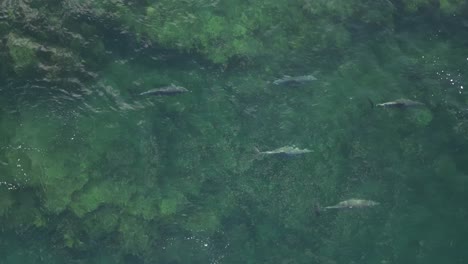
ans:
(23, 52)
(6, 201)
(447, 7)
(145, 206)
(136, 235)
(60, 188)
(445, 167)
(420, 117)
(96, 194)
(451, 6)
(102, 222)
(35, 162)
(203, 222)
(171, 203)
(23, 212)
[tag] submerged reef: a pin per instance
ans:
(102, 174)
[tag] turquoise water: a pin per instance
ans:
(91, 172)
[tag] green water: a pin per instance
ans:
(91, 172)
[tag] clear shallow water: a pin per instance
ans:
(93, 173)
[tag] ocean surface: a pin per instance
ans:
(93, 172)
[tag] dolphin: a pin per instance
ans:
(166, 90)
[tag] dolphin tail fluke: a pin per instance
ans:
(318, 209)
(372, 104)
(257, 152)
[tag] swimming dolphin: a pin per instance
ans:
(353, 203)
(399, 103)
(286, 150)
(166, 90)
(295, 80)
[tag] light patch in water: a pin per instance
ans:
(21, 176)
